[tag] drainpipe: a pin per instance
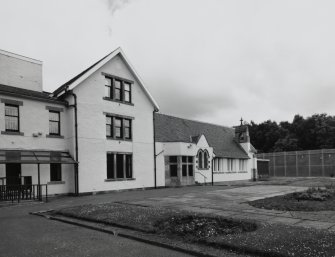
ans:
(155, 168)
(76, 167)
(212, 172)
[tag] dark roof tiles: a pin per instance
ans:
(173, 129)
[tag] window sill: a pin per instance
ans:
(118, 179)
(56, 182)
(54, 136)
(119, 139)
(117, 101)
(12, 133)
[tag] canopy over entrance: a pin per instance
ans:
(35, 157)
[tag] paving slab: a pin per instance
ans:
(283, 220)
(314, 224)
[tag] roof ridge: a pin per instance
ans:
(208, 123)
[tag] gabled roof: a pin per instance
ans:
(30, 94)
(173, 129)
(75, 81)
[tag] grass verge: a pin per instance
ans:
(240, 236)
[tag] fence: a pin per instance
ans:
(312, 163)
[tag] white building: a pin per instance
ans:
(96, 133)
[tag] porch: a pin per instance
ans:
(35, 174)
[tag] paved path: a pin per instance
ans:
(233, 203)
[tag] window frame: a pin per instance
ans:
(174, 163)
(18, 117)
(113, 127)
(203, 163)
(187, 163)
(112, 172)
(112, 89)
(58, 122)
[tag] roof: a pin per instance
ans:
(75, 81)
(34, 156)
(174, 129)
(30, 94)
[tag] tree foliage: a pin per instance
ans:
(314, 132)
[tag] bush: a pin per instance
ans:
(314, 194)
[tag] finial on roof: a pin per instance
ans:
(241, 120)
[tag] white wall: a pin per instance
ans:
(20, 72)
(93, 144)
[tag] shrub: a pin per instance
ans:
(315, 194)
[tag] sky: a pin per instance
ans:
(209, 60)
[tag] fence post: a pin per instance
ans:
(296, 163)
(285, 163)
(322, 163)
(309, 163)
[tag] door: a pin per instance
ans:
(13, 174)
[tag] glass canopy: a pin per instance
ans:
(35, 156)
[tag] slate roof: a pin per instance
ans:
(173, 129)
(26, 93)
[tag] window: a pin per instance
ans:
(118, 89)
(241, 165)
(55, 172)
(187, 165)
(119, 166)
(12, 118)
(173, 163)
(54, 123)
(230, 164)
(118, 127)
(203, 159)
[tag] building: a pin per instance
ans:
(190, 152)
(96, 133)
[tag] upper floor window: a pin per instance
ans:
(118, 127)
(12, 118)
(54, 123)
(118, 89)
(203, 159)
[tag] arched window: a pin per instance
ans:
(203, 158)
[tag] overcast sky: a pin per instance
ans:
(215, 61)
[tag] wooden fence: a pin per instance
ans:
(312, 163)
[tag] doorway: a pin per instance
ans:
(13, 174)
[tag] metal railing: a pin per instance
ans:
(202, 176)
(24, 192)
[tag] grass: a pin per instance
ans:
(211, 231)
(313, 199)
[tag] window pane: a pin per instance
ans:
(108, 82)
(183, 158)
(129, 166)
(118, 132)
(190, 159)
(110, 165)
(205, 160)
(117, 94)
(173, 158)
(108, 120)
(127, 96)
(107, 91)
(108, 130)
(117, 84)
(53, 127)
(126, 86)
(190, 170)
(55, 172)
(119, 165)
(12, 123)
(173, 170)
(127, 133)
(117, 122)
(12, 110)
(54, 116)
(126, 122)
(184, 170)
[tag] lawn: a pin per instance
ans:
(313, 199)
(212, 231)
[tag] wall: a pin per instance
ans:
(93, 144)
(221, 172)
(20, 72)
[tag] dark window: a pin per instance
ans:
(54, 123)
(190, 169)
(118, 127)
(200, 159)
(109, 126)
(205, 160)
(110, 166)
(127, 128)
(12, 118)
(55, 172)
(118, 90)
(184, 170)
(108, 88)
(187, 165)
(173, 166)
(119, 166)
(127, 92)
